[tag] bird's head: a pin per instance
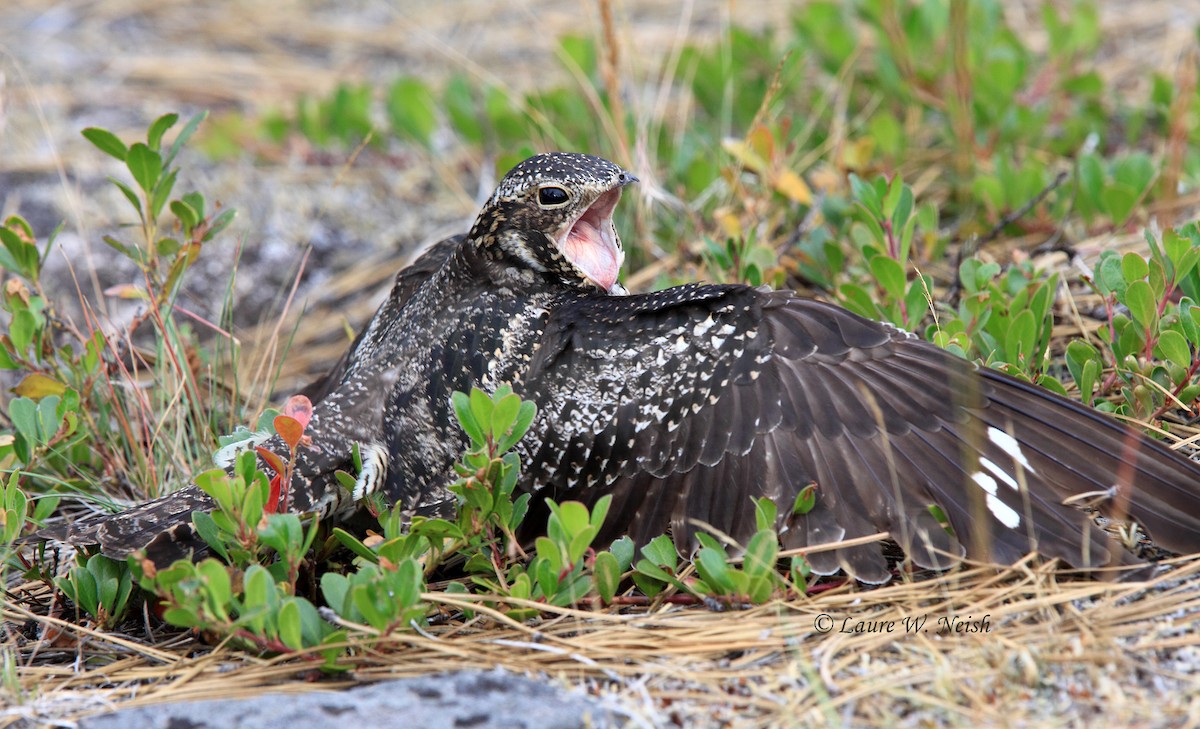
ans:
(553, 213)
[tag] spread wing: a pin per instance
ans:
(163, 527)
(407, 282)
(686, 403)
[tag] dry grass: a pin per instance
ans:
(1057, 651)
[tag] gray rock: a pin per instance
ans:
(469, 699)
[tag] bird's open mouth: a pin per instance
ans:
(591, 242)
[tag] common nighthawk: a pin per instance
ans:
(685, 403)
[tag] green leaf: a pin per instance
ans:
(806, 500)
(648, 586)
(1110, 277)
(345, 480)
(1091, 178)
(219, 223)
(714, 569)
(481, 408)
(351, 542)
(1189, 320)
(549, 553)
(219, 587)
(607, 573)
(1135, 170)
(258, 587)
(187, 215)
(761, 553)
(1173, 347)
(463, 110)
(181, 617)
(856, 299)
(649, 569)
(765, 513)
(84, 592)
(21, 330)
(1189, 394)
(48, 419)
(800, 570)
(1118, 201)
(145, 165)
(866, 195)
(1134, 267)
(290, 627)
(917, 298)
(574, 516)
(24, 255)
(524, 419)
(162, 191)
(581, 542)
(466, 418)
(106, 142)
(504, 414)
(1020, 338)
(412, 109)
(600, 511)
(760, 588)
(889, 274)
(184, 135)
(362, 599)
(334, 588)
(411, 583)
(195, 201)
(23, 413)
(661, 551)
(902, 214)
(1140, 299)
(1079, 355)
(623, 549)
(158, 128)
(167, 247)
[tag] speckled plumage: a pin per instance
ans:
(685, 403)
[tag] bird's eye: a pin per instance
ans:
(552, 196)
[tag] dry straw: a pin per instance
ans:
(1095, 650)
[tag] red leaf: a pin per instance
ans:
(271, 459)
(272, 505)
(290, 430)
(300, 408)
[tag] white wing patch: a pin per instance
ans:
(1000, 474)
(1002, 511)
(1009, 445)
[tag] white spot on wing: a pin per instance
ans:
(1000, 474)
(1009, 445)
(1002, 511)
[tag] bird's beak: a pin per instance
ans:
(591, 242)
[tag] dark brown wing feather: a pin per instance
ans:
(163, 527)
(686, 403)
(407, 282)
